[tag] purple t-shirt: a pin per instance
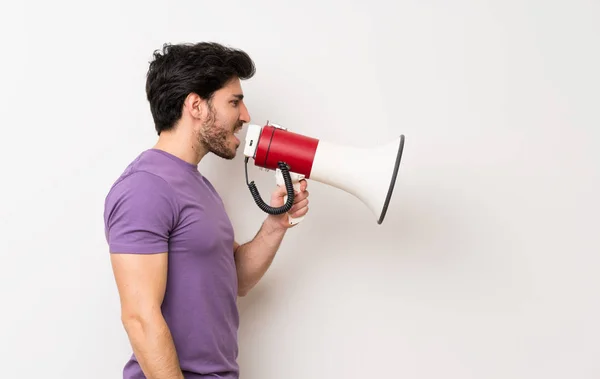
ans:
(162, 203)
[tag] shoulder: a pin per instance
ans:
(141, 197)
(140, 213)
(140, 185)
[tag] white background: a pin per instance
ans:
(487, 264)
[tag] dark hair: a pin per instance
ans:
(200, 68)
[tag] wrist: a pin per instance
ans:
(274, 224)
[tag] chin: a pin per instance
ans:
(231, 154)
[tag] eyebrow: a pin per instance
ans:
(239, 96)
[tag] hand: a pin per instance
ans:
(300, 207)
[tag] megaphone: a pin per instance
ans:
(367, 173)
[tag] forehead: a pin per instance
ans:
(233, 86)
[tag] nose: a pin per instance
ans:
(244, 114)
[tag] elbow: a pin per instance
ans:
(243, 291)
(244, 285)
(138, 321)
(133, 322)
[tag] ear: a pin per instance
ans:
(195, 106)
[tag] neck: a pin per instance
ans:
(181, 145)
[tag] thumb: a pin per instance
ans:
(281, 191)
(277, 196)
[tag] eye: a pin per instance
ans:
(235, 102)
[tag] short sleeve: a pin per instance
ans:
(140, 213)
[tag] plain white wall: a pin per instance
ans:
(487, 263)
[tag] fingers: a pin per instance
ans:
(299, 213)
(303, 185)
(299, 196)
(298, 206)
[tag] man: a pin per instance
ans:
(177, 267)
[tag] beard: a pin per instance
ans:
(214, 137)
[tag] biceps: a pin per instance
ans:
(141, 281)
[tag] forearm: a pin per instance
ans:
(153, 346)
(254, 258)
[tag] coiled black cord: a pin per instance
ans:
(289, 186)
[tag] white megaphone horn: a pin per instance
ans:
(367, 173)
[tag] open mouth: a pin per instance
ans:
(235, 133)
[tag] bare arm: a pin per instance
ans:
(254, 258)
(141, 281)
